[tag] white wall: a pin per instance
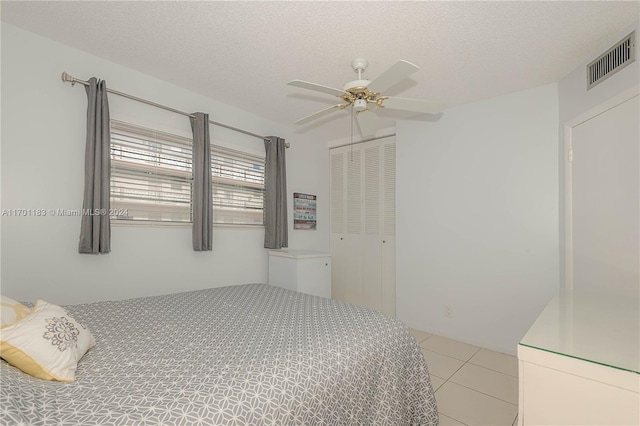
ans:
(575, 100)
(43, 125)
(477, 218)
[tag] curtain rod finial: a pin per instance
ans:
(67, 77)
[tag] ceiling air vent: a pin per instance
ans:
(612, 61)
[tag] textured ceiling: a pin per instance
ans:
(247, 51)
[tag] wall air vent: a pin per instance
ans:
(612, 61)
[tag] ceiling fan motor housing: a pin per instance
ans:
(356, 86)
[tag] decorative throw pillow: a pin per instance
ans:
(47, 343)
(11, 311)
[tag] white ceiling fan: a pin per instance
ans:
(365, 94)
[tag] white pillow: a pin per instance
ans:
(11, 311)
(47, 343)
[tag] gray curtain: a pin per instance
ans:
(275, 197)
(95, 229)
(202, 202)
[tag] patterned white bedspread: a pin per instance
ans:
(241, 355)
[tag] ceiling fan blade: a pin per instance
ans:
(366, 122)
(318, 114)
(316, 87)
(414, 105)
(392, 76)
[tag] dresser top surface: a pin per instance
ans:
(595, 327)
(298, 253)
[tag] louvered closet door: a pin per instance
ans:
(372, 247)
(353, 230)
(388, 209)
(363, 224)
(346, 225)
(339, 256)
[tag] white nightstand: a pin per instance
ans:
(306, 271)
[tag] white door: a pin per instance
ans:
(604, 201)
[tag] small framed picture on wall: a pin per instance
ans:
(304, 211)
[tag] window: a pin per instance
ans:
(151, 178)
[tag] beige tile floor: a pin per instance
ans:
(473, 386)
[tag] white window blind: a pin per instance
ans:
(150, 174)
(151, 178)
(238, 187)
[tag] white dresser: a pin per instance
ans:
(579, 364)
(306, 271)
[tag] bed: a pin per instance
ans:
(249, 355)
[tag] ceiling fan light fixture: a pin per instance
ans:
(359, 105)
